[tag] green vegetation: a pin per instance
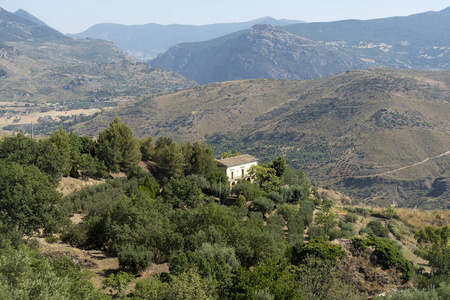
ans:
(387, 254)
(322, 126)
(171, 215)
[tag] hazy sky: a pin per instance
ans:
(73, 16)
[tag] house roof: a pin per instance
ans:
(237, 160)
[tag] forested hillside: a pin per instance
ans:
(380, 134)
(277, 237)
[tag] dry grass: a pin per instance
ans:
(69, 185)
(418, 219)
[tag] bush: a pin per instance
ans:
(315, 231)
(351, 218)
(249, 190)
(134, 258)
(51, 239)
(242, 203)
(74, 172)
(286, 210)
(364, 230)
(318, 248)
(359, 211)
(347, 227)
(338, 234)
(387, 254)
(74, 235)
(378, 228)
(263, 205)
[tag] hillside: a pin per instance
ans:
(380, 134)
(37, 63)
(418, 42)
(263, 52)
(147, 41)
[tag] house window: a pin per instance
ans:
(242, 172)
(231, 174)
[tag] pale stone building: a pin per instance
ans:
(237, 167)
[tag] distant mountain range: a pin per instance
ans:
(265, 51)
(38, 63)
(147, 41)
(420, 41)
(382, 135)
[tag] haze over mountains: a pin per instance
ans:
(38, 63)
(147, 41)
(381, 134)
(419, 42)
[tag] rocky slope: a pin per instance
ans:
(264, 52)
(147, 41)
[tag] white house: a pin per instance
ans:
(237, 167)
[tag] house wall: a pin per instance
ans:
(235, 172)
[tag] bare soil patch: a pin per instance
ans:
(99, 262)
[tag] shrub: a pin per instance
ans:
(74, 236)
(263, 205)
(351, 218)
(74, 172)
(365, 230)
(242, 203)
(249, 190)
(318, 248)
(315, 231)
(387, 254)
(296, 229)
(286, 210)
(378, 229)
(338, 234)
(51, 239)
(347, 227)
(134, 258)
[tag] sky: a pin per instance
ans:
(70, 16)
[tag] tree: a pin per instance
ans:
(147, 149)
(181, 192)
(229, 154)
(265, 177)
(279, 164)
(118, 282)
(27, 199)
(169, 158)
(199, 158)
(120, 136)
(62, 142)
(44, 154)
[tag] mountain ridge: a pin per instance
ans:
(419, 42)
(147, 40)
(40, 64)
(265, 51)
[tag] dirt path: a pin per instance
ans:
(99, 262)
(409, 166)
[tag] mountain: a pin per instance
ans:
(147, 41)
(263, 52)
(420, 42)
(26, 15)
(39, 64)
(446, 11)
(14, 28)
(381, 135)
